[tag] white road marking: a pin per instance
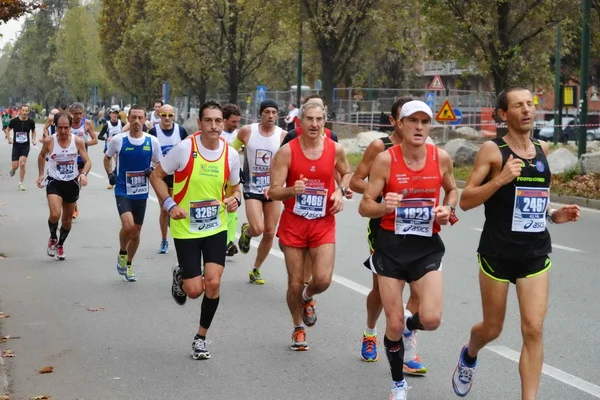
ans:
(552, 372)
(477, 229)
(554, 245)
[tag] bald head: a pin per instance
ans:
(167, 116)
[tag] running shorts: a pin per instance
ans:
(507, 270)
(67, 190)
(299, 232)
(192, 254)
(137, 207)
(253, 196)
(19, 150)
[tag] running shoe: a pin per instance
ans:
(109, 187)
(410, 341)
(21, 187)
(177, 287)
(164, 247)
(299, 340)
(122, 264)
(130, 275)
(51, 247)
(414, 366)
(368, 351)
(244, 242)
(462, 380)
(60, 253)
(399, 390)
(255, 277)
(12, 172)
(199, 350)
(232, 250)
(309, 315)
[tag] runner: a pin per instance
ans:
(306, 167)
(135, 152)
(298, 129)
(5, 119)
(262, 140)
(231, 119)
(111, 128)
(22, 126)
(511, 178)
(198, 214)
(64, 180)
(50, 126)
(168, 134)
(412, 362)
(83, 128)
(408, 247)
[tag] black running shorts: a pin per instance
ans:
(506, 270)
(406, 257)
(19, 150)
(67, 190)
(253, 196)
(192, 254)
(137, 207)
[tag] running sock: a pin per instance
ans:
(63, 235)
(199, 337)
(254, 270)
(304, 295)
(207, 311)
(470, 361)
(128, 263)
(395, 354)
(413, 323)
(53, 228)
(297, 328)
(371, 332)
(122, 252)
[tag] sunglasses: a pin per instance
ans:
(165, 115)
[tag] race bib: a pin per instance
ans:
(204, 215)
(261, 180)
(136, 182)
(312, 203)
(21, 137)
(65, 168)
(529, 212)
(415, 217)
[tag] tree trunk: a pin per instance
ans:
(500, 75)
(327, 77)
(201, 92)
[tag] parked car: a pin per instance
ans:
(547, 132)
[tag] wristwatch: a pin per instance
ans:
(344, 190)
(239, 201)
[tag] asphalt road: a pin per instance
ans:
(139, 346)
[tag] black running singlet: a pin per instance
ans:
(515, 224)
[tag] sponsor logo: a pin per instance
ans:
(195, 154)
(263, 158)
(540, 166)
(129, 149)
(533, 225)
(531, 179)
(313, 169)
(207, 226)
(146, 148)
(414, 228)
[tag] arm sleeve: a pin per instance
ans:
(234, 167)
(103, 131)
(334, 137)
(237, 144)
(114, 146)
(177, 157)
(182, 132)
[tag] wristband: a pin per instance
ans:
(168, 204)
(549, 215)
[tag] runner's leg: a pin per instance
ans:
(271, 212)
(390, 290)
(22, 164)
(212, 285)
(294, 261)
(322, 258)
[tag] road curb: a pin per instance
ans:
(562, 199)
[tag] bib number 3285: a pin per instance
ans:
(529, 213)
(204, 215)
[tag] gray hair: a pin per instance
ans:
(76, 106)
(310, 105)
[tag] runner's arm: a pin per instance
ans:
(369, 207)
(33, 136)
(42, 156)
(89, 126)
(241, 138)
(474, 193)
(125, 127)
(279, 170)
(448, 182)
(103, 131)
(342, 167)
(358, 183)
(160, 187)
(84, 155)
(282, 137)
(49, 121)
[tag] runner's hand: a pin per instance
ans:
(40, 181)
(33, 142)
(512, 169)
(299, 186)
(10, 141)
(391, 201)
(178, 213)
(569, 213)
(267, 193)
(82, 179)
(338, 203)
(112, 178)
(442, 214)
(349, 193)
(231, 203)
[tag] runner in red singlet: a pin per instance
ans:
(408, 247)
(307, 226)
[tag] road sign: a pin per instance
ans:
(436, 83)
(318, 84)
(430, 99)
(459, 117)
(261, 94)
(165, 92)
(446, 113)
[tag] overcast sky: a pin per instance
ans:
(9, 31)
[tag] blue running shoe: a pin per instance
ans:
(368, 351)
(122, 264)
(164, 247)
(462, 380)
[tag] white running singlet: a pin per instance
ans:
(259, 152)
(62, 163)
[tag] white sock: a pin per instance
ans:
(371, 332)
(304, 296)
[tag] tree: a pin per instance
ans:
(509, 40)
(339, 28)
(14, 9)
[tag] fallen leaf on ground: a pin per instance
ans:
(47, 370)
(5, 338)
(8, 353)
(2, 315)
(95, 309)
(3, 397)
(44, 397)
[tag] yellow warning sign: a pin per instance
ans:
(446, 113)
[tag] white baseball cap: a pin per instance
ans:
(415, 106)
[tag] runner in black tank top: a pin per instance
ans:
(511, 177)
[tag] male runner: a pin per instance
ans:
(168, 134)
(155, 118)
(6, 117)
(511, 178)
(262, 140)
(111, 128)
(408, 247)
(22, 126)
(50, 126)
(203, 165)
(297, 131)
(306, 166)
(412, 363)
(64, 179)
(83, 128)
(231, 119)
(135, 152)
